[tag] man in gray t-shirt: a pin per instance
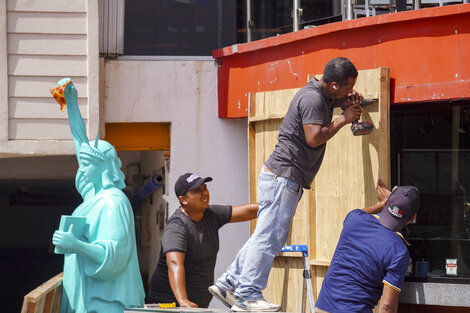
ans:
(295, 161)
(190, 244)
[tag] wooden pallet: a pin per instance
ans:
(45, 298)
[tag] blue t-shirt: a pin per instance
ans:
(367, 256)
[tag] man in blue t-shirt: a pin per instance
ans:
(371, 258)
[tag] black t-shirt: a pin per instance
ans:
(292, 157)
(200, 243)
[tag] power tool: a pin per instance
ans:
(360, 128)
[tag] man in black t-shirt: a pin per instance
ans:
(190, 244)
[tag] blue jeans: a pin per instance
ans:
(248, 274)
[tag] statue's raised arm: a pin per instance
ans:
(67, 96)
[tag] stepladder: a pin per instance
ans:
(307, 281)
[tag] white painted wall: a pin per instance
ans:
(184, 93)
(41, 44)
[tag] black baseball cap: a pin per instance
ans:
(189, 181)
(402, 204)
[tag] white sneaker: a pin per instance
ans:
(260, 305)
(223, 294)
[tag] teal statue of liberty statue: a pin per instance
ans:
(101, 269)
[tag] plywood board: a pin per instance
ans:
(286, 284)
(353, 164)
(346, 180)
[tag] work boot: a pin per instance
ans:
(260, 305)
(223, 294)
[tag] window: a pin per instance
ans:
(196, 27)
(272, 18)
(178, 27)
(430, 146)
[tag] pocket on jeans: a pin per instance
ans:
(266, 189)
(292, 186)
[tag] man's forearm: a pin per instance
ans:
(388, 308)
(177, 283)
(327, 132)
(376, 208)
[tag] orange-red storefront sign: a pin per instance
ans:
(427, 51)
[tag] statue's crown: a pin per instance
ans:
(93, 152)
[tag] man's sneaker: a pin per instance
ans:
(255, 305)
(223, 294)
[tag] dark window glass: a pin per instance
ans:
(319, 12)
(431, 150)
(270, 18)
(178, 27)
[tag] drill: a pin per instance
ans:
(360, 128)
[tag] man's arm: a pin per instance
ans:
(382, 195)
(246, 212)
(316, 134)
(389, 300)
(176, 275)
(376, 208)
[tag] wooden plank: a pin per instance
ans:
(319, 215)
(252, 157)
(31, 87)
(320, 262)
(47, 23)
(30, 107)
(44, 298)
(266, 111)
(42, 44)
(37, 129)
(285, 284)
(312, 218)
(52, 6)
(63, 66)
(351, 167)
(318, 274)
(49, 301)
(56, 302)
(265, 118)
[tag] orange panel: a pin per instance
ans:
(139, 136)
(426, 51)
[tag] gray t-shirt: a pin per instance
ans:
(293, 158)
(200, 243)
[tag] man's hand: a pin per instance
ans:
(382, 195)
(382, 192)
(352, 113)
(355, 97)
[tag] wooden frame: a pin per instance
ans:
(346, 180)
(46, 298)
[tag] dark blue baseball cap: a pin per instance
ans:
(189, 181)
(401, 206)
